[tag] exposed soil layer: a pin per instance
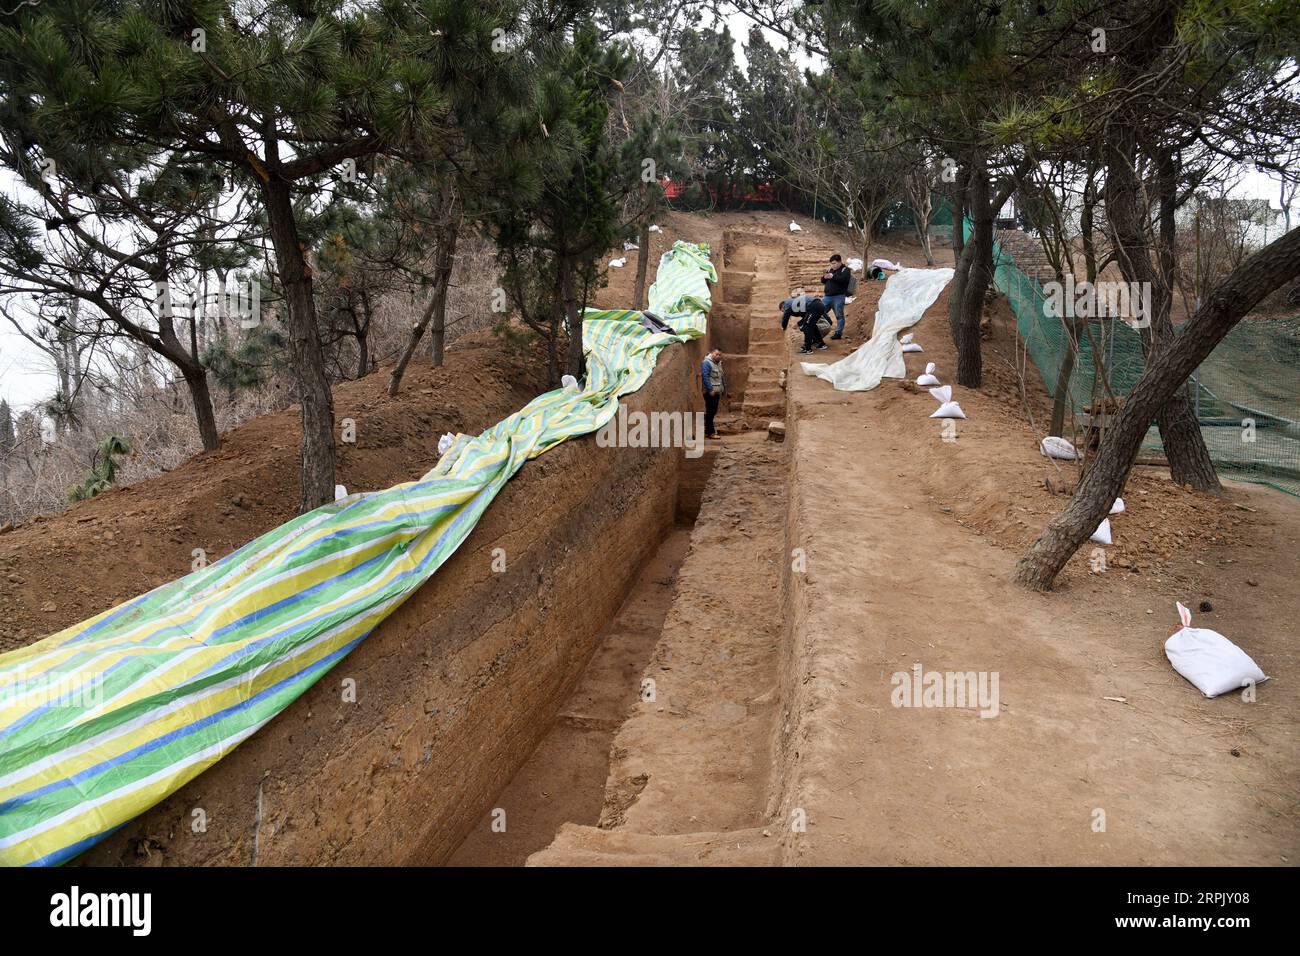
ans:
(690, 761)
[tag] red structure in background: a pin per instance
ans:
(730, 195)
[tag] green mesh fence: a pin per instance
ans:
(1246, 394)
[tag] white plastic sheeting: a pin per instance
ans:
(906, 297)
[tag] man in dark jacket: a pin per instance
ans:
(835, 286)
(809, 309)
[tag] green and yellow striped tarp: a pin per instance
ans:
(106, 718)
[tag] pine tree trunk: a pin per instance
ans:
(1189, 458)
(923, 234)
(1166, 373)
(317, 457)
(196, 380)
(979, 272)
(959, 223)
(412, 342)
(1063, 376)
(573, 362)
(363, 353)
(435, 312)
(642, 265)
(446, 262)
(192, 371)
(962, 253)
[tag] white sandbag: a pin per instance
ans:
(1102, 534)
(912, 347)
(655, 229)
(629, 246)
(618, 263)
(855, 265)
(795, 227)
(949, 410)
(1054, 447)
(928, 377)
(906, 297)
(445, 442)
(942, 394)
(907, 338)
(885, 264)
(1209, 660)
(1118, 507)
(340, 492)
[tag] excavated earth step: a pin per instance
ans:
(762, 410)
(590, 846)
(764, 333)
(770, 352)
(737, 287)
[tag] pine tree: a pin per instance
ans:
(284, 99)
(551, 244)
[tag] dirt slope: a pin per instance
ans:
(910, 557)
(56, 572)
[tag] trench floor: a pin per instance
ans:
(564, 779)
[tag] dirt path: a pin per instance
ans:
(1099, 753)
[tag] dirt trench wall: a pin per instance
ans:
(452, 692)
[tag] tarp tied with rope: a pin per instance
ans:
(106, 718)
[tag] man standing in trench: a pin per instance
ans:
(714, 384)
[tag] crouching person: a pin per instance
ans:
(810, 310)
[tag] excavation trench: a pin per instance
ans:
(513, 680)
(669, 731)
(397, 754)
(563, 781)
